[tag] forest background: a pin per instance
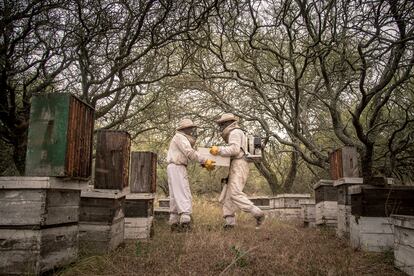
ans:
(307, 76)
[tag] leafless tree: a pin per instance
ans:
(317, 74)
(34, 50)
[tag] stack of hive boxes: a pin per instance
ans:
(139, 204)
(102, 216)
(345, 173)
(371, 225)
(326, 206)
(39, 212)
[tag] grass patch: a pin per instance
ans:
(279, 248)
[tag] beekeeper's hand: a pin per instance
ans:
(214, 150)
(209, 165)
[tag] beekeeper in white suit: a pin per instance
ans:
(233, 197)
(180, 151)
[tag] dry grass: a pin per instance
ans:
(278, 248)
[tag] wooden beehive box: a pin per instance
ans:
(139, 214)
(164, 203)
(344, 163)
(143, 172)
(344, 204)
(326, 203)
(112, 159)
(404, 243)
(371, 227)
(290, 200)
(137, 206)
(261, 201)
(60, 136)
(39, 224)
(101, 221)
(308, 213)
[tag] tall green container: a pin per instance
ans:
(60, 136)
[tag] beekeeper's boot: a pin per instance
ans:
(259, 220)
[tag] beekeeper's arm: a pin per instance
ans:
(234, 147)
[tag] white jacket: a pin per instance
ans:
(237, 140)
(180, 151)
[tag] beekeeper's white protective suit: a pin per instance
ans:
(179, 153)
(233, 197)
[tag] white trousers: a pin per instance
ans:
(234, 197)
(180, 194)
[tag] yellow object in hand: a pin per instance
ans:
(214, 150)
(209, 164)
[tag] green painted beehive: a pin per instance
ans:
(60, 136)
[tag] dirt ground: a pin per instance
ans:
(278, 248)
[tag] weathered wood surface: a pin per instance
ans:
(344, 163)
(41, 182)
(145, 196)
(372, 201)
(60, 136)
(326, 213)
(288, 214)
(101, 238)
(404, 243)
(112, 159)
(25, 251)
(143, 172)
(342, 229)
(80, 139)
(325, 191)
(258, 201)
(161, 213)
(164, 203)
(139, 208)
(308, 214)
(290, 200)
(373, 234)
(101, 210)
(139, 228)
(38, 207)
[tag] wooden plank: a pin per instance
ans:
(344, 212)
(326, 193)
(382, 202)
(344, 163)
(326, 212)
(404, 258)
(22, 207)
(404, 236)
(135, 208)
(101, 210)
(403, 221)
(138, 228)
(112, 159)
(164, 203)
(36, 251)
(35, 182)
(143, 172)
(372, 234)
(59, 246)
(220, 160)
(256, 201)
(47, 137)
(99, 238)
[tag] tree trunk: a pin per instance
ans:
(19, 151)
(269, 176)
(290, 179)
(366, 163)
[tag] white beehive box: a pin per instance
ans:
(220, 160)
(404, 243)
